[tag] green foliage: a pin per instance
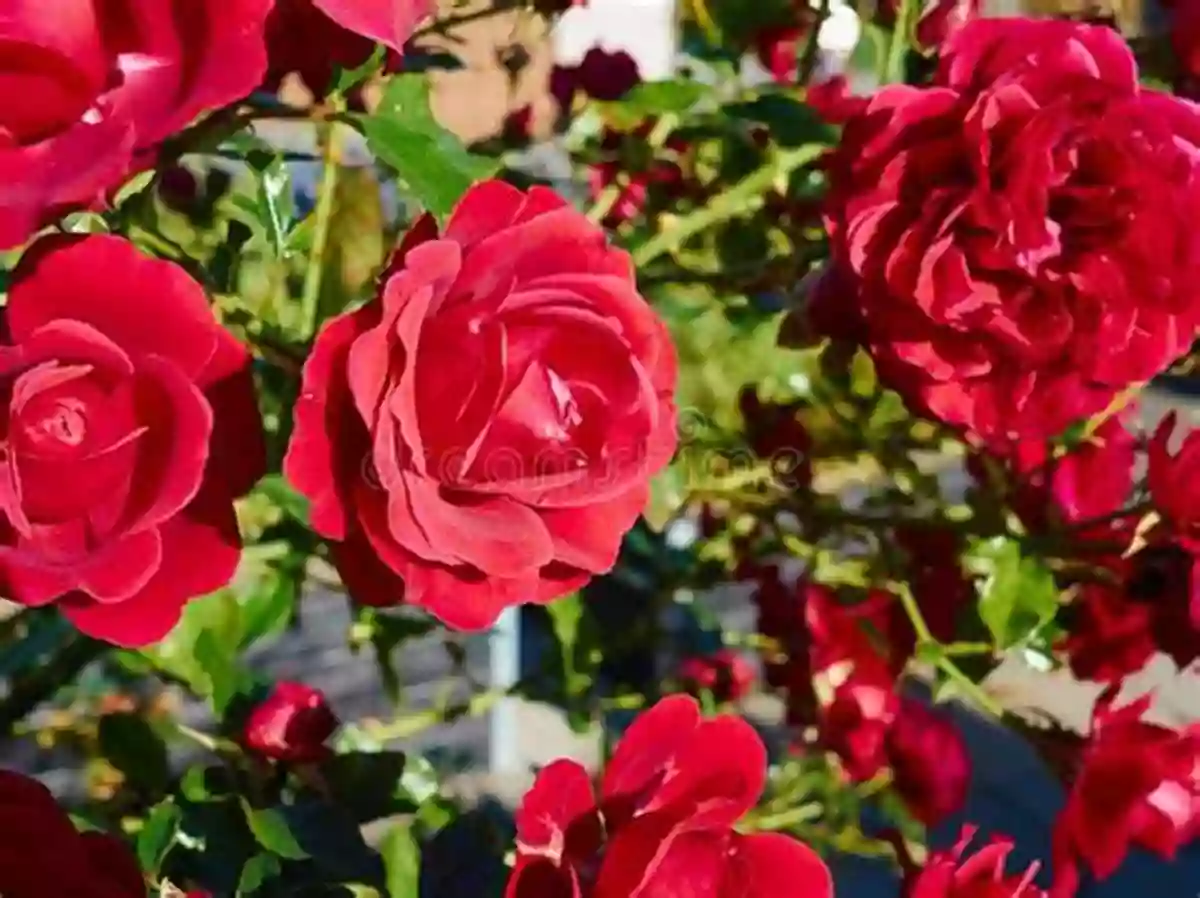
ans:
(1017, 596)
(433, 165)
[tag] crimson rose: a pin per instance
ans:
(292, 724)
(389, 22)
(950, 874)
(662, 824)
(86, 85)
(130, 425)
(43, 854)
(1014, 243)
(483, 432)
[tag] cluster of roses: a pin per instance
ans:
(132, 423)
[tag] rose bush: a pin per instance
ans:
(93, 87)
(127, 443)
(562, 415)
(256, 464)
(1010, 242)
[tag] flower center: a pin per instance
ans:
(63, 424)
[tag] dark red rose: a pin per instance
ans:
(663, 821)
(1014, 243)
(778, 49)
(132, 425)
(1138, 785)
(303, 39)
(388, 22)
(89, 86)
(725, 674)
(1108, 637)
(482, 433)
(601, 75)
(931, 769)
(44, 854)
(607, 75)
(982, 875)
(939, 584)
(292, 724)
(833, 101)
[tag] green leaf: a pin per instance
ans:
(131, 745)
(566, 617)
(157, 835)
(402, 858)
(219, 661)
(272, 207)
(432, 164)
(267, 610)
(1018, 595)
(791, 122)
(655, 98)
(284, 496)
(270, 828)
(257, 871)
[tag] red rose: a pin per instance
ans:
(950, 875)
(292, 724)
(1138, 784)
(132, 425)
(44, 854)
(663, 823)
(778, 50)
(87, 85)
(1185, 40)
(388, 22)
(601, 75)
(1174, 481)
(725, 674)
(482, 433)
(931, 769)
(832, 100)
(304, 40)
(1014, 243)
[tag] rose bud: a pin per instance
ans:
(605, 75)
(292, 724)
(931, 769)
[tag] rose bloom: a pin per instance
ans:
(482, 434)
(292, 724)
(1138, 785)
(1014, 242)
(44, 854)
(952, 874)
(89, 86)
(663, 822)
(131, 425)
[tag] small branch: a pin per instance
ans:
(812, 48)
(726, 205)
